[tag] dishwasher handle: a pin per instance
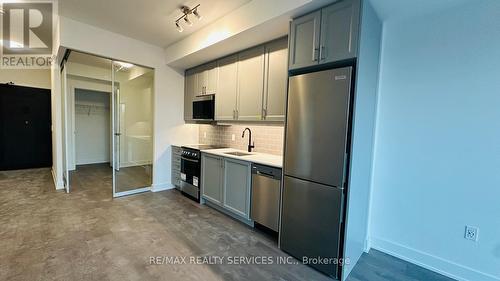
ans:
(264, 174)
(266, 171)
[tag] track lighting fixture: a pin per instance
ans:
(186, 12)
(179, 27)
(188, 22)
(195, 12)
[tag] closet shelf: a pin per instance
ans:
(90, 109)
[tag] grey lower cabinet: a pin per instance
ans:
(327, 35)
(176, 166)
(226, 184)
(237, 185)
(212, 178)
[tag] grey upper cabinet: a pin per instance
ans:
(339, 31)
(227, 90)
(304, 40)
(212, 178)
(190, 87)
(276, 80)
(237, 177)
(328, 35)
(198, 81)
(206, 79)
(212, 78)
(201, 80)
(250, 84)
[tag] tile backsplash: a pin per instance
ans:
(267, 138)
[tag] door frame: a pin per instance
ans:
(153, 121)
(116, 111)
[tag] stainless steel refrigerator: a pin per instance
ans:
(315, 163)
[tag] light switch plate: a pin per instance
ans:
(233, 137)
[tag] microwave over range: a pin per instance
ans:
(204, 108)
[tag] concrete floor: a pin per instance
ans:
(87, 235)
(127, 178)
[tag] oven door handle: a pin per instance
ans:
(191, 160)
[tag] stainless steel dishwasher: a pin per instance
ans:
(266, 186)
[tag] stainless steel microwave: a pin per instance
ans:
(204, 107)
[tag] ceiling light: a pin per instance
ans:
(187, 21)
(186, 11)
(179, 27)
(195, 12)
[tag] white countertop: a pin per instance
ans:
(184, 144)
(255, 157)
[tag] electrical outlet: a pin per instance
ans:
(205, 135)
(233, 137)
(471, 233)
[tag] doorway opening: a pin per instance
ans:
(107, 124)
(25, 127)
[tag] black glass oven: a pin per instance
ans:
(190, 172)
(204, 107)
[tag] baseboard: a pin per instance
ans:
(135, 163)
(431, 262)
(57, 184)
(91, 162)
(246, 221)
(367, 245)
(161, 187)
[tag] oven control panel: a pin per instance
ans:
(192, 154)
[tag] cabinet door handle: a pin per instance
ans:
(322, 52)
(315, 54)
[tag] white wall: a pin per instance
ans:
(92, 127)
(37, 78)
(73, 83)
(437, 152)
(365, 103)
(57, 165)
(136, 120)
(168, 87)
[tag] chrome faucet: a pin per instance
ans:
(250, 145)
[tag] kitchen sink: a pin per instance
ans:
(237, 153)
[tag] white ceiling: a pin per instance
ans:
(151, 21)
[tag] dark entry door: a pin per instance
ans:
(25, 128)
